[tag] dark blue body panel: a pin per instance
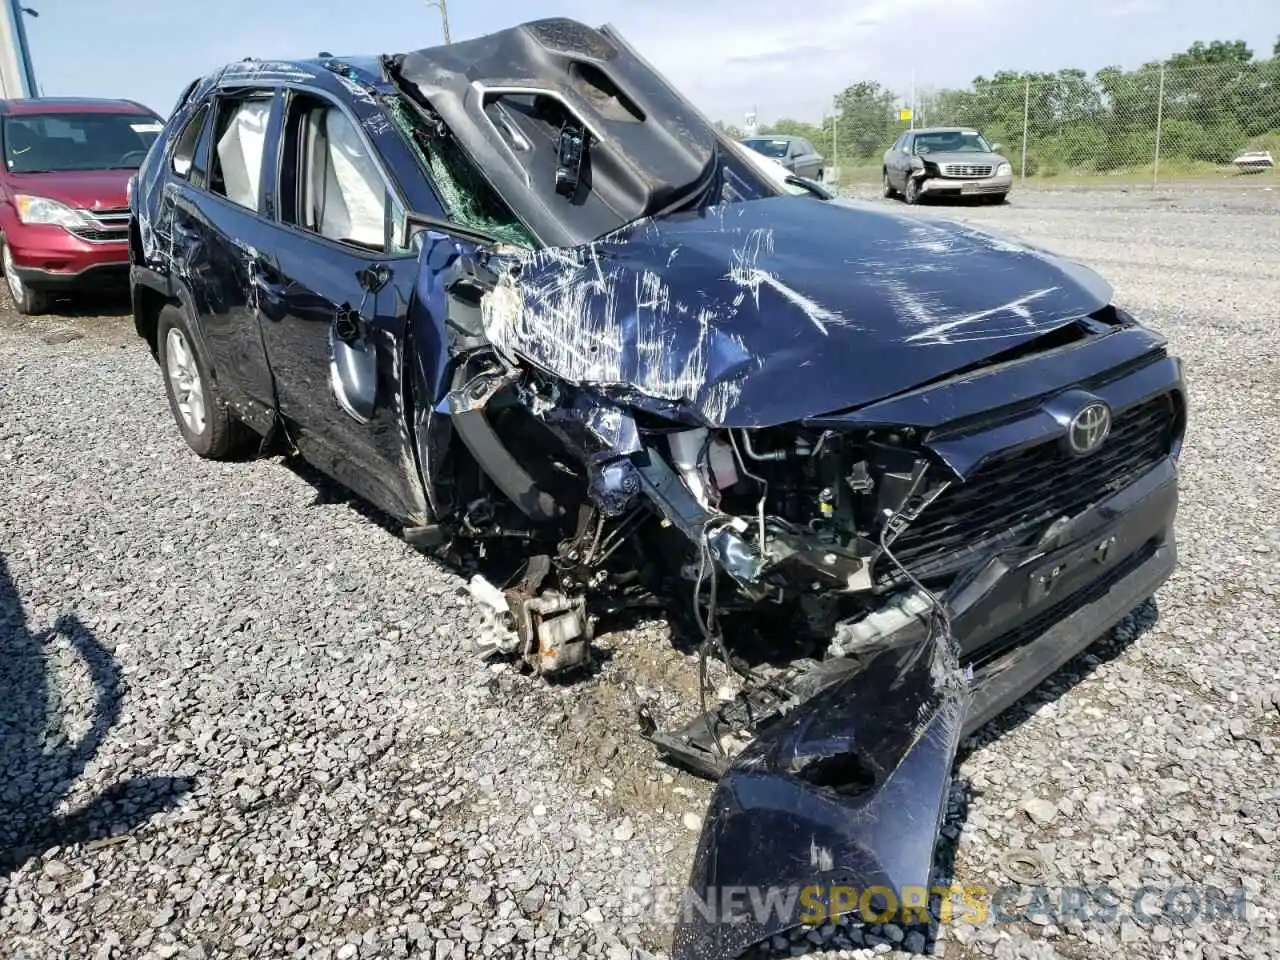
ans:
(769, 311)
(841, 795)
(269, 295)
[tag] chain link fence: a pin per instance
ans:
(1159, 123)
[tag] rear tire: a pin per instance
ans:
(25, 300)
(200, 411)
(885, 186)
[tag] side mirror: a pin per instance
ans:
(995, 147)
(813, 186)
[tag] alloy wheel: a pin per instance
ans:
(184, 375)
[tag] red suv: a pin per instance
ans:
(64, 211)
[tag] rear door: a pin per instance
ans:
(217, 223)
(333, 289)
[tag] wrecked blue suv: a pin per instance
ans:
(518, 292)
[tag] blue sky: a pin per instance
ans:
(786, 58)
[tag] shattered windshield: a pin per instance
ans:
(951, 143)
(770, 148)
(45, 142)
(467, 197)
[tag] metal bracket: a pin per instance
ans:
(571, 153)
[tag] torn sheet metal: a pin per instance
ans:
(738, 316)
(845, 792)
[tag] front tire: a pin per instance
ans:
(995, 199)
(25, 300)
(202, 415)
(912, 192)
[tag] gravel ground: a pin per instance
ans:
(240, 718)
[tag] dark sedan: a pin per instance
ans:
(946, 161)
(793, 153)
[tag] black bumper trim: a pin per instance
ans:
(1000, 683)
(101, 274)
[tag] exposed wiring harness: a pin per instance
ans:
(708, 625)
(941, 616)
(764, 486)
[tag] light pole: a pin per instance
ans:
(444, 16)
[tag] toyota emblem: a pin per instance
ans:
(1089, 428)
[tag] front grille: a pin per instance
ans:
(101, 236)
(1024, 491)
(108, 226)
(966, 169)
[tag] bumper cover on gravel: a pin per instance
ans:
(835, 808)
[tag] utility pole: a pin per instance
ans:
(1026, 116)
(1155, 175)
(835, 136)
(913, 98)
(444, 16)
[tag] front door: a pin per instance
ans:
(332, 293)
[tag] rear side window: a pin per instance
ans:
(329, 182)
(238, 147)
(187, 148)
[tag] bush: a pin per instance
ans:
(1187, 140)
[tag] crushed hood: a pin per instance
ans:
(768, 311)
(507, 97)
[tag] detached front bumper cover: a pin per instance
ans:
(843, 794)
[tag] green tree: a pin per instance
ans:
(1216, 52)
(866, 117)
(1214, 98)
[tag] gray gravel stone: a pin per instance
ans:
(1040, 810)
